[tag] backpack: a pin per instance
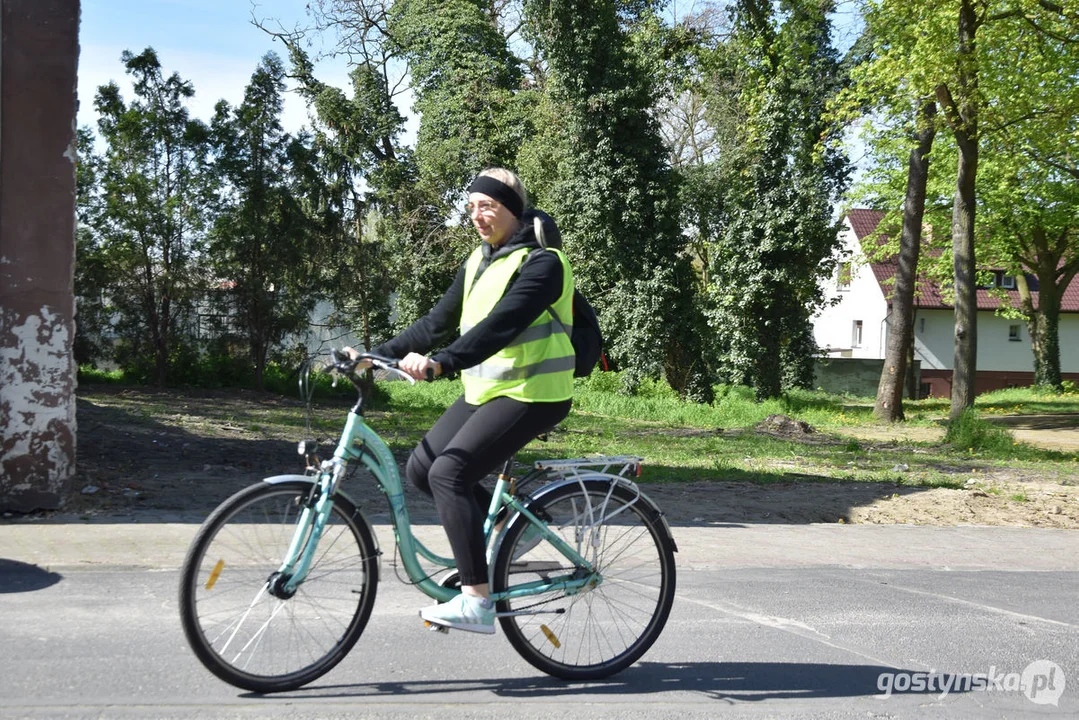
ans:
(586, 336)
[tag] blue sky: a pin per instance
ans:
(212, 43)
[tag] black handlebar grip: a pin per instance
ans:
(429, 374)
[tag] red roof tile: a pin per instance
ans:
(865, 221)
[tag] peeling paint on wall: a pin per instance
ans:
(39, 55)
(37, 407)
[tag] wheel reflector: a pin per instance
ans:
(550, 636)
(215, 574)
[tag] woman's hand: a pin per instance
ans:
(417, 366)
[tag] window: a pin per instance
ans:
(1007, 282)
(856, 334)
(1013, 333)
(921, 325)
(842, 282)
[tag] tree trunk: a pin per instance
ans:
(1047, 353)
(889, 405)
(963, 118)
(913, 391)
(966, 303)
(1049, 360)
(1044, 258)
(767, 367)
(1034, 322)
(161, 343)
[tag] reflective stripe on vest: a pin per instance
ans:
(534, 332)
(488, 371)
(537, 365)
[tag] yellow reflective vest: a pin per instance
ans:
(537, 366)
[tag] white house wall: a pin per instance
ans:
(934, 338)
(935, 342)
(833, 327)
(1069, 342)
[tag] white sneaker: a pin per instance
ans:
(463, 612)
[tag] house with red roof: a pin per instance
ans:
(858, 323)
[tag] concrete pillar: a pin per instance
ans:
(39, 51)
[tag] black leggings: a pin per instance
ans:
(468, 443)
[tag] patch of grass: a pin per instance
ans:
(1028, 401)
(975, 434)
(89, 375)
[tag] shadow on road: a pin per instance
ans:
(719, 681)
(18, 576)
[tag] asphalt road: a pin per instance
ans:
(770, 621)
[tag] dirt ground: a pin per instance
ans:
(182, 454)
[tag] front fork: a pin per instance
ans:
(312, 523)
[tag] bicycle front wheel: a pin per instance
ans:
(601, 629)
(252, 635)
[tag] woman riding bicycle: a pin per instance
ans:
(516, 363)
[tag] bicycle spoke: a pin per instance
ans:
(277, 640)
(604, 627)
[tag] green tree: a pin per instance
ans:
(92, 309)
(364, 191)
(1005, 81)
(1031, 141)
(154, 189)
(262, 240)
(780, 237)
(901, 122)
(614, 195)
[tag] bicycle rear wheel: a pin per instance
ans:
(244, 632)
(604, 629)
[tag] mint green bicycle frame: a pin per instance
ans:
(359, 443)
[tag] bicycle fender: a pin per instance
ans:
(629, 484)
(276, 479)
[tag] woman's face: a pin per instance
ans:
(494, 223)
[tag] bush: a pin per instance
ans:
(90, 375)
(969, 431)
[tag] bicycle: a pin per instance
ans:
(279, 582)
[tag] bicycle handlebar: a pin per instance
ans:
(346, 365)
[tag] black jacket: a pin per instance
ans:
(537, 285)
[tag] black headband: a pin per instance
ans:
(500, 191)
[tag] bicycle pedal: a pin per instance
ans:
(436, 628)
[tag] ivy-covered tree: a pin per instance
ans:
(614, 194)
(262, 244)
(154, 191)
(780, 238)
(467, 88)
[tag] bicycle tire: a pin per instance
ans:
(603, 629)
(241, 632)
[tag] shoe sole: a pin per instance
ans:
(467, 627)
